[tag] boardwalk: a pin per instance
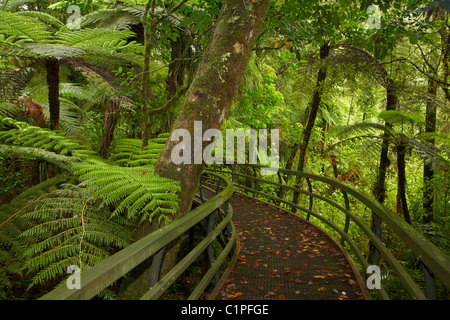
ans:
(283, 257)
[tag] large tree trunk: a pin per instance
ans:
(214, 87)
(211, 94)
(315, 104)
(428, 172)
(149, 36)
(52, 67)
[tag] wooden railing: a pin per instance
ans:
(435, 263)
(216, 211)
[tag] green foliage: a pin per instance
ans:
(136, 190)
(45, 228)
(85, 221)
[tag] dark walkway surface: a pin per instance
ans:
(283, 257)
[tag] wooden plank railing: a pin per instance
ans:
(436, 264)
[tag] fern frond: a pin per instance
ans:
(12, 5)
(363, 128)
(128, 152)
(13, 224)
(91, 38)
(128, 187)
(438, 157)
(115, 19)
(42, 16)
(35, 153)
(70, 229)
(27, 135)
(25, 28)
(53, 50)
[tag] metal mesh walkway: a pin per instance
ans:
(284, 257)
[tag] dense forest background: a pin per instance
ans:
(89, 94)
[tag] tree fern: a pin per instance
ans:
(366, 135)
(131, 190)
(12, 5)
(87, 220)
(12, 224)
(41, 139)
(71, 229)
(25, 28)
(116, 19)
(128, 152)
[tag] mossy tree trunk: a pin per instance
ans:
(212, 92)
(214, 87)
(149, 22)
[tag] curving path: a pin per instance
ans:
(284, 257)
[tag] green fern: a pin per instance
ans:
(88, 219)
(41, 143)
(128, 152)
(136, 191)
(70, 229)
(12, 224)
(367, 135)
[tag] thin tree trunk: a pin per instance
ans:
(315, 104)
(179, 52)
(149, 36)
(379, 190)
(214, 87)
(176, 86)
(110, 120)
(52, 67)
(428, 172)
(401, 183)
(290, 161)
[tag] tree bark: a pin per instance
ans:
(402, 205)
(149, 36)
(315, 104)
(214, 87)
(428, 172)
(52, 67)
(110, 119)
(211, 94)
